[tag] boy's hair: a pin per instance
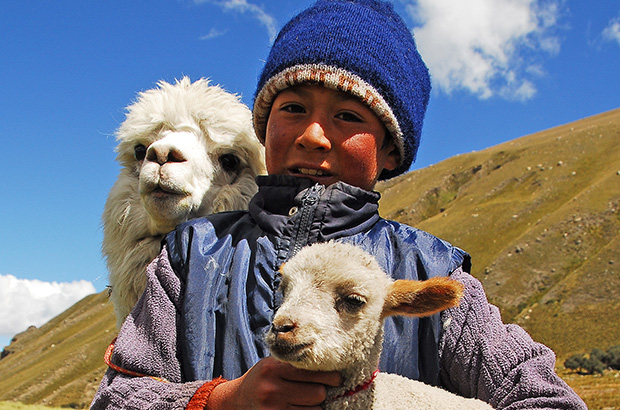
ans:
(357, 46)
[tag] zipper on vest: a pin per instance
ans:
(308, 206)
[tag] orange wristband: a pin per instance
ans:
(201, 397)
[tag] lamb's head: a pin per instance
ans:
(335, 297)
(187, 149)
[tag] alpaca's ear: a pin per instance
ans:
(422, 298)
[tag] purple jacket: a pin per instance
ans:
(167, 336)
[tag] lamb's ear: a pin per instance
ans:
(422, 298)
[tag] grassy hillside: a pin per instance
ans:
(9, 405)
(61, 363)
(540, 216)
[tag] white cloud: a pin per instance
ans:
(486, 47)
(612, 31)
(213, 33)
(25, 303)
(242, 6)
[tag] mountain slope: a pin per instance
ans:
(540, 216)
(60, 363)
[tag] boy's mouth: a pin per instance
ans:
(311, 172)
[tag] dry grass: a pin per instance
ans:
(61, 363)
(600, 392)
(10, 405)
(540, 216)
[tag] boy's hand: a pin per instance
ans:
(272, 384)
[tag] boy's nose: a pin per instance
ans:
(314, 138)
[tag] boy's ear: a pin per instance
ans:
(393, 158)
(421, 298)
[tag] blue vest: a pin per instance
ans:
(228, 264)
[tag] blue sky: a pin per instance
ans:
(501, 69)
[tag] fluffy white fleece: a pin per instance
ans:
(335, 297)
(185, 150)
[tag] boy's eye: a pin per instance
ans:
(293, 108)
(349, 117)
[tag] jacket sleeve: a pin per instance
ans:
(495, 362)
(145, 370)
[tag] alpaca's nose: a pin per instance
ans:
(163, 153)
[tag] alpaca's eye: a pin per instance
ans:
(139, 152)
(229, 162)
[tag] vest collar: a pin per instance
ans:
(342, 209)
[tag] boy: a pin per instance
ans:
(339, 105)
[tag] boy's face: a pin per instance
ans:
(327, 136)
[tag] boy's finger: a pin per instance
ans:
(325, 378)
(305, 394)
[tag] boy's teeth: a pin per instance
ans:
(307, 171)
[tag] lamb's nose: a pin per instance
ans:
(282, 328)
(163, 153)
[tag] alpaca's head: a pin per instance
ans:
(335, 297)
(186, 150)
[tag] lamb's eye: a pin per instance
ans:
(351, 303)
(139, 152)
(355, 300)
(229, 162)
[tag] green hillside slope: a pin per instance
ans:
(540, 216)
(60, 363)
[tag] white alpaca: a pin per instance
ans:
(335, 297)
(186, 150)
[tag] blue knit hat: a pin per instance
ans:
(358, 46)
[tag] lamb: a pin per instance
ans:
(335, 297)
(186, 150)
